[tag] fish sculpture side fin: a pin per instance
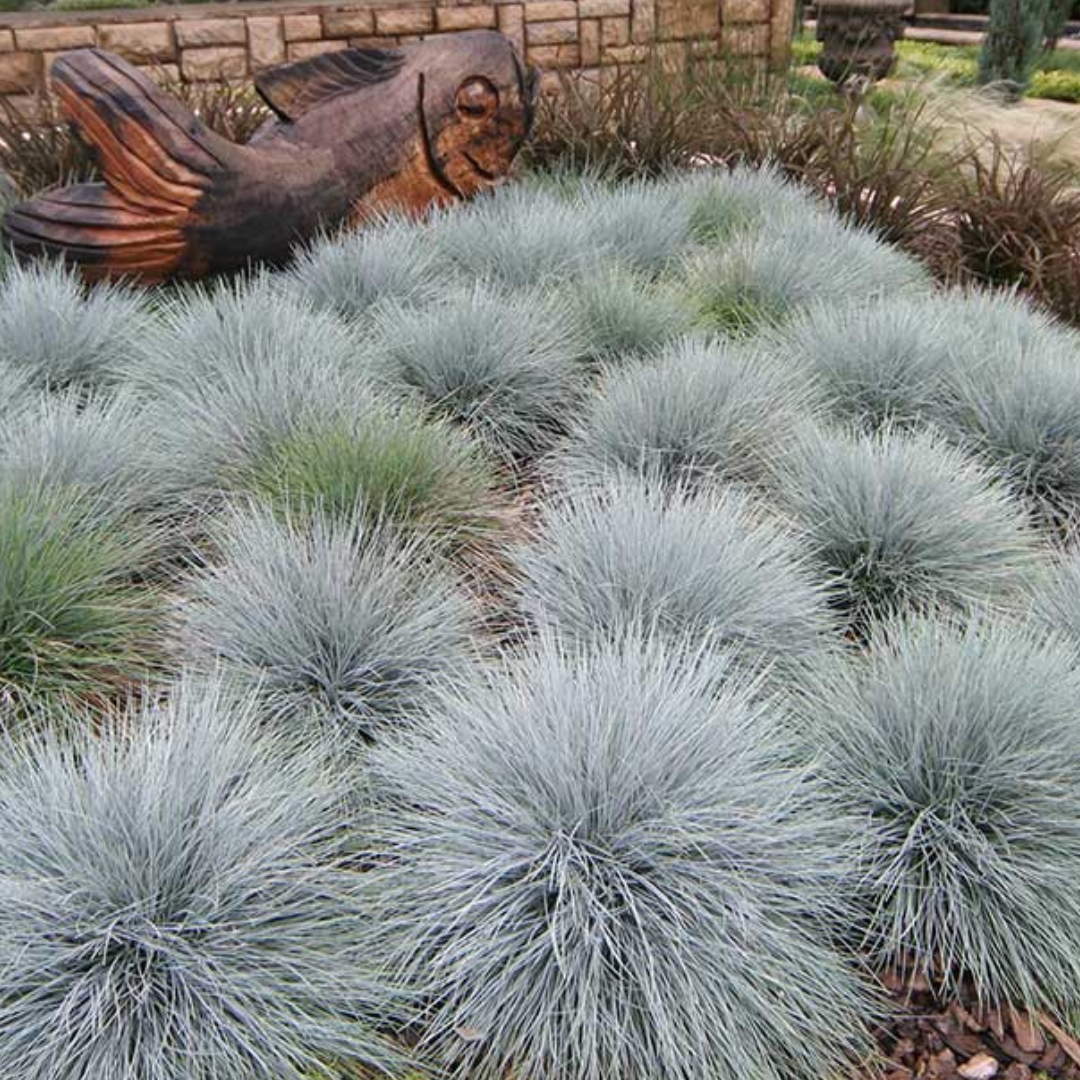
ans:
(294, 89)
(157, 160)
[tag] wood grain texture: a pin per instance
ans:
(356, 133)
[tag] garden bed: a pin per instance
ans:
(606, 630)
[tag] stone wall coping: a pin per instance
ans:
(16, 20)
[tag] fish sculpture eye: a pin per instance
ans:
(477, 98)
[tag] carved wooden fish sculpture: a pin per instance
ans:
(355, 132)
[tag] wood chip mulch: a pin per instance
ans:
(967, 1041)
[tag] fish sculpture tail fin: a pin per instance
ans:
(157, 160)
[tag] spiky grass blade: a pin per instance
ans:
(58, 333)
(958, 747)
(101, 447)
(1013, 398)
(906, 522)
(522, 237)
(701, 411)
(600, 865)
(504, 366)
(708, 565)
(644, 226)
(723, 204)
(333, 623)
(176, 902)
(1055, 596)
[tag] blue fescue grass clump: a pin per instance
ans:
(763, 277)
(98, 446)
(74, 624)
(686, 566)
(882, 363)
(703, 410)
(906, 522)
(959, 749)
(1014, 399)
(177, 903)
(601, 864)
(387, 463)
(621, 316)
(57, 333)
(338, 624)
(641, 225)
(1055, 596)
(722, 204)
(506, 367)
(523, 236)
(234, 371)
(349, 274)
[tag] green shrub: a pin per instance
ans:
(1055, 86)
(1014, 40)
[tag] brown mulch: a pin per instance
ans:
(968, 1041)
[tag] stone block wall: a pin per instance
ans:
(232, 41)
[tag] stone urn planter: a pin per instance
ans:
(858, 38)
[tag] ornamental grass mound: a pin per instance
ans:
(352, 273)
(56, 333)
(622, 316)
(958, 747)
(385, 463)
(340, 624)
(700, 412)
(906, 522)
(600, 864)
(763, 277)
(229, 373)
(178, 902)
(75, 621)
(503, 366)
(879, 364)
(707, 566)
